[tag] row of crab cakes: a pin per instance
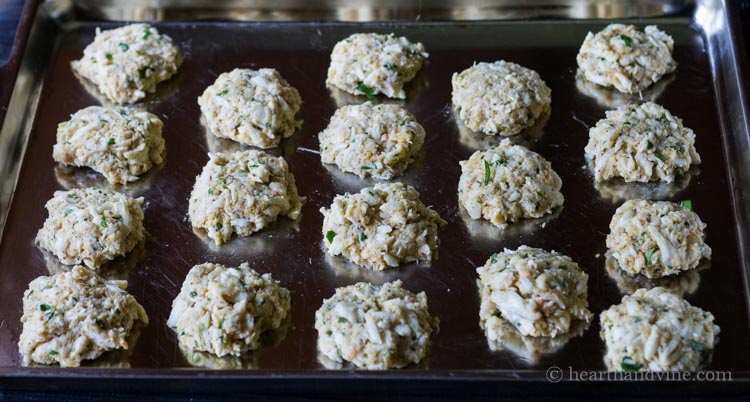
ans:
(80, 314)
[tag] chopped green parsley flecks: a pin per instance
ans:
(142, 72)
(366, 90)
(687, 204)
(44, 307)
(649, 254)
(650, 145)
(53, 353)
(103, 222)
(389, 66)
(123, 46)
(146, 33)
(111, 141)
(330, 235)
(627, 40)
(660, 156)
(108, 56)
(697, 346)
(193, 294)
(343, 320)
(493, 258)
(219, 226)
(224, 92)
(362, 237)
(628, 364)
(486, 173)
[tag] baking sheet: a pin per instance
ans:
(294, 254)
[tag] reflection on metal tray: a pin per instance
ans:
(703, 91)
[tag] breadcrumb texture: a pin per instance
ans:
(381, 227)
(656, 238)
(371, 140)
(91, 226)
(225, 310)
(655, 330)
(375, 327)
(253, 107)
(242, 193)
(641, 143)
(76, 316)
(119, 143)
(128, 62)
(624, 57)
(499, 98)
(508, 183)
(372, 64)
(542, 293)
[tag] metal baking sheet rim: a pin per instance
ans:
(717, 20)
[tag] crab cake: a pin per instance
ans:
(499, 98)
(242, 193)
(91, 226)
(119, 143)
(225, 310)
(508, 183)
(372, 64)
(375, 327)
(371, 140)
(641, 143)
(657, 238)
(655, 330)
(253, 107)
(76, 316)
(624, 57)
(542, 293)
(381, 227)
(128, 62)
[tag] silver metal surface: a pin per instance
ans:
(366, 10)
(704, 92)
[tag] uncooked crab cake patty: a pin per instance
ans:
(371, 64)
(242, 193)
(657, 238)
(508, 183)
(119, 143)
(371, 140)
(381, 227)
(624, 57)
(91, 226)
(76, 316)
(542, 293)
(655, 330)
(499, 98)
(253, 107)
(225, 310)
(641, 143)
(128, 62)
(375, 327)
